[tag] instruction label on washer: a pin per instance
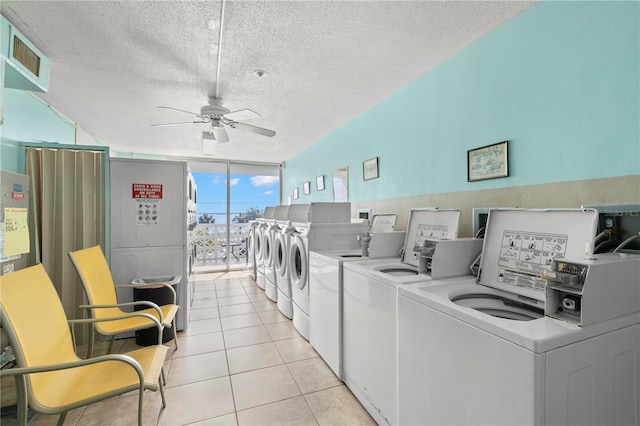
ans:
(424, 231)
(524, 255)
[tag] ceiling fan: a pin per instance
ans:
(217, 116)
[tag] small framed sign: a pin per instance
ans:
(320, 183)
(306, 188)
(488, 162)
(295, 193)
(370, 168)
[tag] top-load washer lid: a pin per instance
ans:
(520, 244)
(428, 223)
(383, 222)
(423, 223)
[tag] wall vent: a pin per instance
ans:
(26, 56)
(24, 67)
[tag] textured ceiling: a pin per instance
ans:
(114, 62)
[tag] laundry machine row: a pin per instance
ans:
(546, 334)
(370, 305)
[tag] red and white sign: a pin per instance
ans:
(17, 195)
(151, 191)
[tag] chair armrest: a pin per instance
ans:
(119, 317)
(143, 286)
(19, 371)
(118, 305)
(153, 319)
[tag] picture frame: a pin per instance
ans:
(488, 162)
(370, 169)
(320, 183)
(295, 193)
(306, 188)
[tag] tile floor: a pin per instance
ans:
(240, 362)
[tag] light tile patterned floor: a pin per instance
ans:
(240, 362)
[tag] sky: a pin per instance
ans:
(246, 191)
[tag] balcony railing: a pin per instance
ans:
(210, 240)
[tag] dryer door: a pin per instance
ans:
(298, 263)
(280, 255)
(259, 246)
(268, 248)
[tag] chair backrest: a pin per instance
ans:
(35, 321)
(96, 279)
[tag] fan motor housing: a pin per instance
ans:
(213, 110)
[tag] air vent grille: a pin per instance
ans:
(26, 56)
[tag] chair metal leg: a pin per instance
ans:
(111, 340)
(164, 401)
(21, 396)
(61, 418)
(140, 404)
(90, 345)
(175, 333)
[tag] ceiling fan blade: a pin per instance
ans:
(220, 134)
(254, 129)
(240, 115)
(180, 110)
(179, 123)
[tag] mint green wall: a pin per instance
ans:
(560, 81)
(27, 119)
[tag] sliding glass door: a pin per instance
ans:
(230, 195)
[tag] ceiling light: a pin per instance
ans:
(259, 73)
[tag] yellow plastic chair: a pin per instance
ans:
(50, 377)
(97, 281)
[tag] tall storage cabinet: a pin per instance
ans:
(149, 225)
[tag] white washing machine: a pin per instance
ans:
(261, 236)
(283, 275)
(325, 307)
(281, 221)
(317, 234)
(523, 345)
(325, 283)
(572, 366)
(370, 313)
(251, 248)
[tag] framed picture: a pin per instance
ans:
(320, 183)
(295, 193)
(306, 188)
(488, 162)
(370, 168)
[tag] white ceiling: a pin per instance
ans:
(114, 62)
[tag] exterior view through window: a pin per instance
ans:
(227, 201)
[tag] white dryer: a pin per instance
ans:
(317, 233)
(281, 220)
(283, 275)
(370, 312)
(251, 248)
(261, 236)
(540, 339)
